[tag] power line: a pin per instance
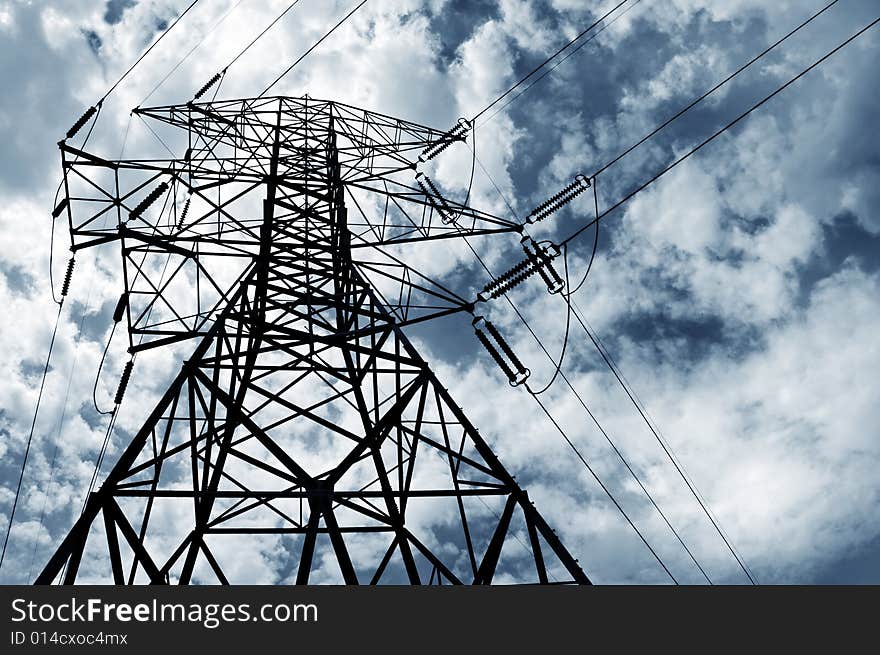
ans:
(716, 87)
(567, 298)
(562, 374)
(604, 488)
(605, 434)
(61, 422)
(548, 60)
(98, 374)
(618, 376)
(558, 364)
(562, 61)
(30, 438)
(317, 43)
(664, 444)
(96, 111)
(594, 223)
(198, 44)
(261, 34)
(721, 131)
(571, 444)
(571, 305)
(221, 75)
(583, 281)
(637, 479)
(154, 44)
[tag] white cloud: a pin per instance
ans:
(775, 420)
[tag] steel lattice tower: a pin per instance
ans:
(277, 245)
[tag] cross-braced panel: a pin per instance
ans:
(305, 421)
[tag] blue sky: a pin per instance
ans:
(739, 294)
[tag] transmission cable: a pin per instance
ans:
(559, 372)
(558, 364)
(261, 34)
(154, 44)
(31, 434)
(60, 303)
(571, 443)
(594, 223)
(219, 76)
(727, 79)
(548, 60)
(96, 110)
(317, 43)
(640, 408)
(98, 374)
(52, 465)
(583, 281)
(604, 488)
(562, 374)
(721, 131)
(566, 296)
(198, 44)
(629, 468)
(556, 65)
(62, 419)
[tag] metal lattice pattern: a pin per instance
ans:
(304, 412)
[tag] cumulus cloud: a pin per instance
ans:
(715, 289)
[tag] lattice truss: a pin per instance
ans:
(304, 422)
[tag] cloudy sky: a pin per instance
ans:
(740, 295)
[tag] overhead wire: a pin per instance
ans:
(556, 65)
(30, 438)
(98, 374)
(61, 421)
(567, 297)
(565, 436)
(568, 440)
(594, 223)
(45, 373)
(114, 412)
(113, 329)
(148, 50)
(98, 108)
(316, 44)
(558, 364)
(634, 475)
(719, 132)
(261, 34)
(667, 449)
(60, 304)
(564, 243)
(715, 88)
(535, 70)
(189, 53)
(221, 75)
(608, 493)
(592, 259)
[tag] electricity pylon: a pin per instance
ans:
(304, 415)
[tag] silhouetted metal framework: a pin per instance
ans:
(304, 414)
